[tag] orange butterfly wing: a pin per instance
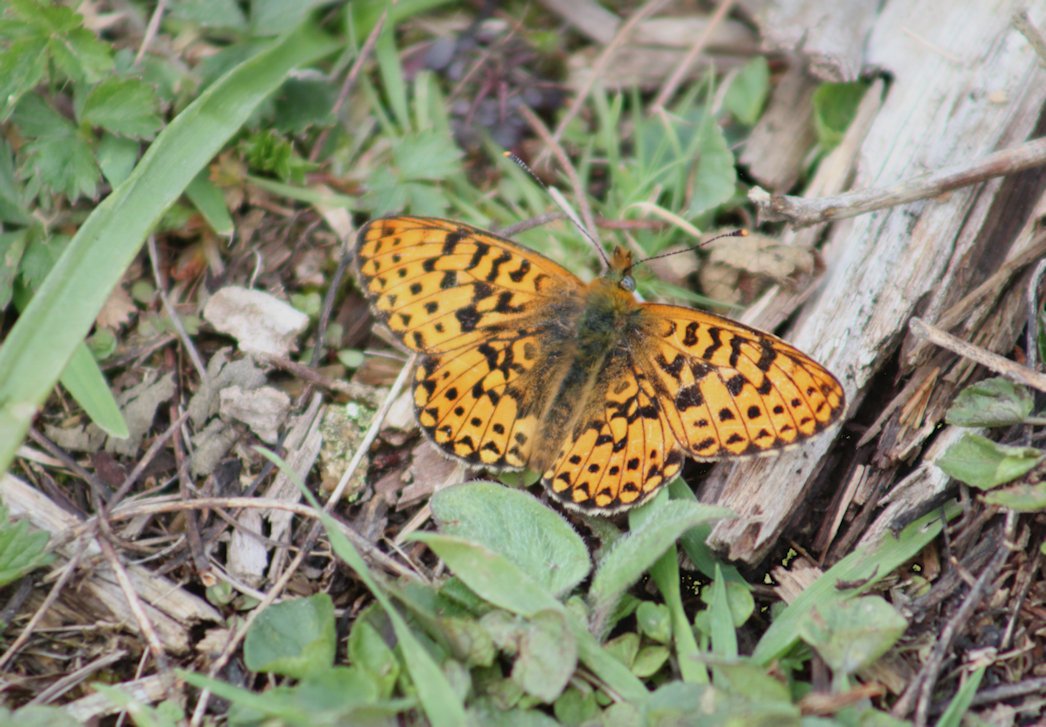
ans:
(494, 323)
(624, 452)
(441, 285)
(733, 391)
(692, 382)
(475, 305)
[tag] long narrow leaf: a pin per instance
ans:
(60, 314)
(441, 704)
(864, 565)
(85, 381)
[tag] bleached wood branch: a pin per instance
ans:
(802, 212)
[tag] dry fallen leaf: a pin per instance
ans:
(118, 310)
(738, 269)
(261, 323)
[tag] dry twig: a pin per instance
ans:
(1023, 22)
(599, 67)
(552, 144)
(802, 212)
(669, 87)
(993, 361)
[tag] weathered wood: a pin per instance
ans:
(964, 84)
(170, 608)
(831, 36)
(781, 139)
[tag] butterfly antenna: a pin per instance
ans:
(562, 203)
(740, 232)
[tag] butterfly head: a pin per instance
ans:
(621, 269)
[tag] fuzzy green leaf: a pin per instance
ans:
(655, 621)
(835, 105)
(633, 554)
(995, 402)
(539, 541)
(428, 156)
(851, 635)
(867, 565)
(984, 464)
(116, 157)
(547, 655)
(1021, 498)
(13, 207)
(81, 56)
(715, 177)
(293, 638)
(56, 154)
(491, 575)
(22, 65)
(22, 549)
(369, 653)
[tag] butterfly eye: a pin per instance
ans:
(628, 283)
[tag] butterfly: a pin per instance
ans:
(522, 365)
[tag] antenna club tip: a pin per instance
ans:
(742, 232)
(507, 154)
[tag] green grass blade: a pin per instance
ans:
(86, 383)
(441, 704)
(665, 573)
(962, 700)
(60, 314)
(865, 565)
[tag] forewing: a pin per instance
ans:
(623, 449)
(441, 285)
(729, 390)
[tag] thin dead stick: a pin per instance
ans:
(671, 85)
(52, 596)
(350, 80)
(370, 436)
(802, 212)
(1009, 691)
(285, 578)
(513, 230)
(129, 511)
(992, 287)
(168, 307)
(993, 361)
(623, 31)
(150, 30)
(69, 681)
(145, 626)
(1025, 583)
(145, 461)
(1023, 22)
(539, 128)
(928, 679)
(192, 522)
(1031, 341)
(309, 375)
